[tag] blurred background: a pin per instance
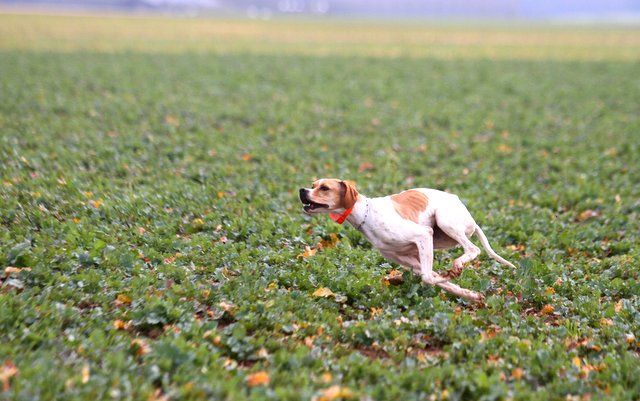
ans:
(574, 10)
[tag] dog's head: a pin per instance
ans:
(328, 195)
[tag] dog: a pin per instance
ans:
(405, 227)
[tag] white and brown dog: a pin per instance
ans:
(405, 227)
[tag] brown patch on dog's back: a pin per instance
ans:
(409, 204)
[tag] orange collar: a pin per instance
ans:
(340, 218)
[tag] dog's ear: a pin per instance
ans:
(349, 194)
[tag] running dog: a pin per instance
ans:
(405, 227)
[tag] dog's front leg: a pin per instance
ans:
(424, 243)
(425, 251)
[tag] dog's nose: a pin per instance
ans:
(303, 195)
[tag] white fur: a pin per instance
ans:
(444, 223)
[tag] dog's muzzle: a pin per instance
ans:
(309, 205)
(304, 198)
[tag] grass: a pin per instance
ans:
(151, 238)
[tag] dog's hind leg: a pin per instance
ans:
(461, 292)
(425, 251)
(460, 228)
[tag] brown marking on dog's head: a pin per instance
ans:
(328, 194)
(349, 194)
(409, 204)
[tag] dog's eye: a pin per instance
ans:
(324, 188)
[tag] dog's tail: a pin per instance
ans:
(490, 251)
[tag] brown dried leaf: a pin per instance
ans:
(226, 306)
(494, 360)
(260, 378)
(394, 277)
(86, 373)
(263, 353)
(333, 393)
(618, 306)
(587, 214)
(547, 309)
(375, 312)
(577, 362)
(517, 373)
(630, 338)
(7, 371)
(365, 166)
(14, 270)
(96, 203)
(308, 252)
(323, 292)
(172, 121)
(491, 332)
(139, 347)
(308, 341)
(123, 299)
(328, 243)
(121, 325)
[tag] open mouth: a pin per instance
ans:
(311, 206)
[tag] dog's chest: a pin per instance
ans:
(386, 230)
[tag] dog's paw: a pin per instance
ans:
(480, 299)
(475, 299)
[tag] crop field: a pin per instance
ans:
(152, 246)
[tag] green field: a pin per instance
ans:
(153, 248)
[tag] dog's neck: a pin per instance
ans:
(360, 212)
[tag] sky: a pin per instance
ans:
(524, 9)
